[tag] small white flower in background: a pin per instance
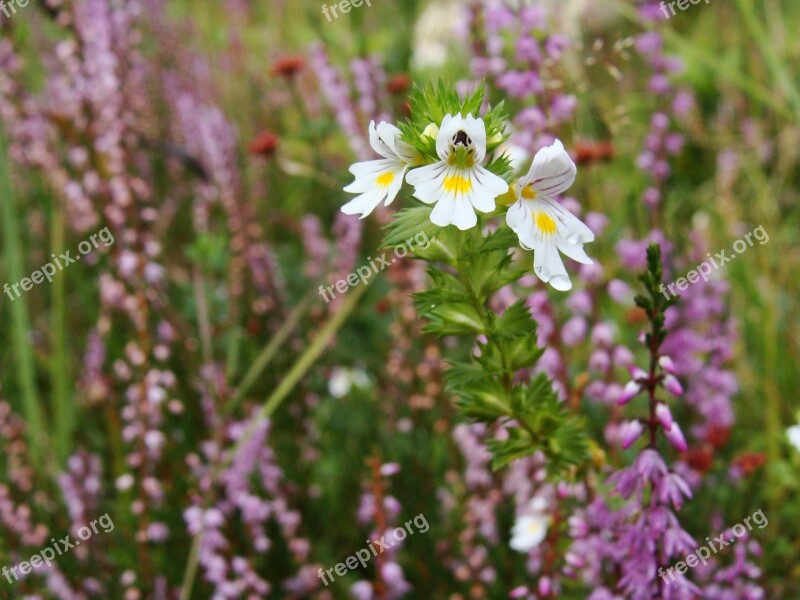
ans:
(793, 433)
(530, 529)
(457, 183)
(380, 179)
(542, 224)
(342, 381)
(437, 32)
(518, 156)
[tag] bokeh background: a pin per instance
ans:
(189, 382)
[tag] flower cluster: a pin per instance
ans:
(445, 164)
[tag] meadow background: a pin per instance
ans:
(189, 382)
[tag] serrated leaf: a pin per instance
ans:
(454, 318)
(428, 300)
(407, 224)
(461, 375)
(502, 239)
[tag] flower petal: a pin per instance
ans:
(427, 181)
(552, 171)
(365, 203)
(571, 232)
(579, 233)
(369, 170)
(520, 220)
(464, 216)
(486, 187)
(382, 138)
(549, 267)
(456, 211)
(451, 125)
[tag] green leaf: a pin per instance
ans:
(463, 375)
(409, 223)
(428, 300)
(516, 321)
(483, 400)
(454, 318)
(502, 239)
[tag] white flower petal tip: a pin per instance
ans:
(542, 224)
(457, 184)
(793, 434)
(379, 180)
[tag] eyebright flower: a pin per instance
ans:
(542, 224)
(380, 179)
(530, 530)
(457, 183)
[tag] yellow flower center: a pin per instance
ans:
(534, 527)
(528, 192)
(384, 179)
(545, 223)
(457, 184)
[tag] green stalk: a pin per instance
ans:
(279, 394)
(269, 352)
(20, 323)
(308, 358)
(765, 44)
(63, 411)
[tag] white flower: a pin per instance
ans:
(436, 32)
(380, 179)
(793, 433)
(542, 224)
(457, 183)
(342, 381)
(530, 529)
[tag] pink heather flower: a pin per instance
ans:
(390, 469)
(362, 590)
(675, 437)
(649, 465)
(623, 356)
(619, 291)
(665, 362)
(628, 392)
(673, 386)
(664, 416)
(672, 488)
(545, 587)
(630, 432)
